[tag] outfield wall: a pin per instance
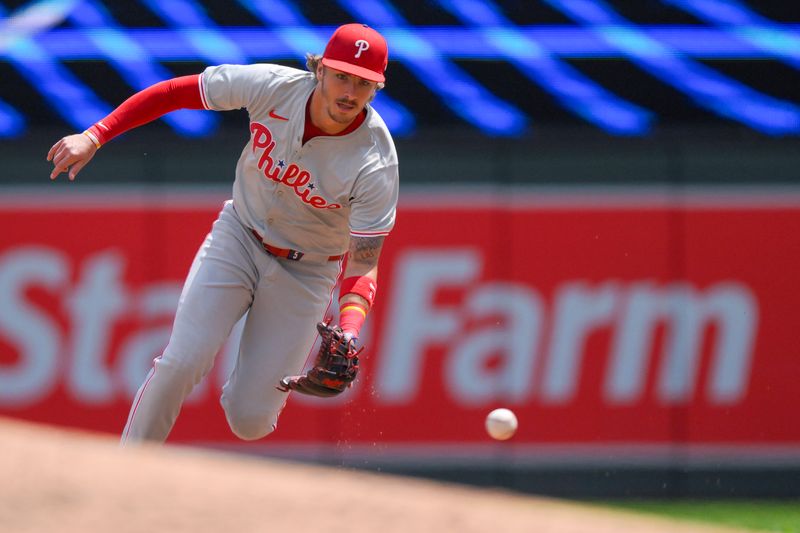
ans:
(644, 336)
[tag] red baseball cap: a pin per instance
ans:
(359, 50)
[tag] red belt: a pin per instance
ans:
(286, 253)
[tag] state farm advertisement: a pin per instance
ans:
(597, 320)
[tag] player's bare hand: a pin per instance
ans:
(71, 154)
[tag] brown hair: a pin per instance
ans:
(313, 61)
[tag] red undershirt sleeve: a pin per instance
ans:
(148, 105)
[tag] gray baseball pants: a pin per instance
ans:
(232, 274)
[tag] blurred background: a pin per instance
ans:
(599, 228)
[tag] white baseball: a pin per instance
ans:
(501, 424)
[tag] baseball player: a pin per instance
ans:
(318, 179)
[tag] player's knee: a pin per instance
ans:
(180, 369)
(252, 427)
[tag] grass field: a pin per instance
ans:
(772, 516)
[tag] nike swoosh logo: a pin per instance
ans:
(274, 115)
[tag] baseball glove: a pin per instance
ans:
(335, 367)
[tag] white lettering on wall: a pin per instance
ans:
(413, 320)
(686, 313)
(514, 340)
(35, 335)
(480, 341)
(416, 323)
(95, 305)
(579, 310)
(157, 301)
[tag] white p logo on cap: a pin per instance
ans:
(362, 46)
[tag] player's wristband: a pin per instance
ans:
(361, 285)
(93, 138)
(351, 317)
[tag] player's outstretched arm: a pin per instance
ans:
(71, 154)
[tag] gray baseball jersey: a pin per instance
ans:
(306, 197)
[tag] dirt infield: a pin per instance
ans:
(55, 480)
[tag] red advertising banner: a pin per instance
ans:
(598, 318)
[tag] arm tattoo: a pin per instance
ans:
(366, 250)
